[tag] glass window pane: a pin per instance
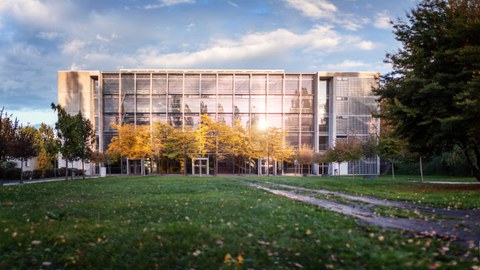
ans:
(258, 104)
(143, 104)
(208, 104)
(175, 84)
(307, 138)
(175, 120)
(307, 104)
(108, 120)
(225, 118)
(175, 103)
(274, 104)
(259, 84)
(110, 104)
(159, 104)
(275, 84)
(242, 84)
(127, 84)
(192, 104)
(158, 117)
(128, 104)
(242, 104)
(110, 83)
(224, 104)
(143, 83)
(244, 119)
(292, 139)
(209, 84)
(274, 120)
(192, 84)
(159, 84)
(307, 86)
(291, 104)
(291, 85)
(143, 119)
(307, 122)
(191, 120)
(225, 84)
(291, 122)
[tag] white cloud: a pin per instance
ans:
(167, 3)
(366, 45)
(106, 39)
(74, 46)
(49, 35)
(315, 9)
(347, 65)
(382, 20)
(255, 45)
(358, 43)
(36, 13)
(74, 66)
(191, 26)
(233, 4)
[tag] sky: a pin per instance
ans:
(40, 37)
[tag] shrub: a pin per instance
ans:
(10, 173)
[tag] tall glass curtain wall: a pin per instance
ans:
(271, 100)
(354, 104)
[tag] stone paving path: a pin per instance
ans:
(456, 224)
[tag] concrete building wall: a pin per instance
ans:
(76, 90)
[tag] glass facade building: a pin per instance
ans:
(315, 109)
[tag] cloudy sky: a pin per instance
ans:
(40, 37)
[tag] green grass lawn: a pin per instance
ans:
(439, 195)
(200, 223)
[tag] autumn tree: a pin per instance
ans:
(304, 155)
(431, 97)
(161, 131)
(347, 150)
(241, 146)
(97, 157)
(181, 145)
(47, 145)
(132, 142)
(214, 138)
(270, 144)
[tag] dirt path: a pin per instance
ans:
(456, 224)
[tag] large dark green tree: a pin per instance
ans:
(23, 147)
(432, 97)
(8, 129)
(75, 134)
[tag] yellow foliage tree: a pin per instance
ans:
(132, 142)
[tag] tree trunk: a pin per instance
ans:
(21, 172)
(184, 164)
(421, 169)
(393, 169)
(83, 169)
(66, 169)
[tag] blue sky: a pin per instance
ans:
(40, 37)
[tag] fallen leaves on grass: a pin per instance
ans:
(228, 259)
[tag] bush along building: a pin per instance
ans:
(316, 110)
